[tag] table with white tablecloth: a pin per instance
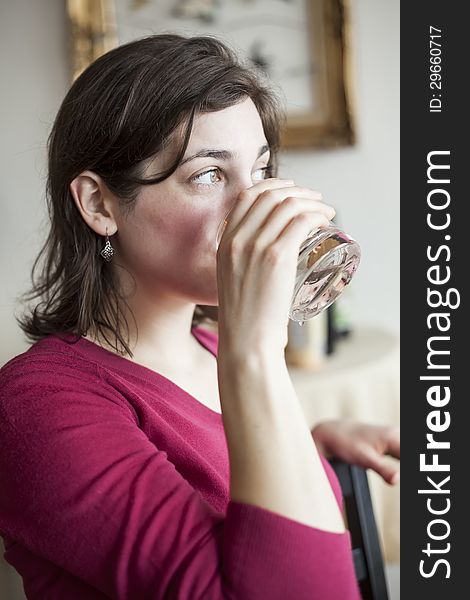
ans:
(360, 380)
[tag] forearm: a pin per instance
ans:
(274, 463)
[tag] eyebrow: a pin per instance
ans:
(220, 154)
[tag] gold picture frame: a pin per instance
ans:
(322, 71)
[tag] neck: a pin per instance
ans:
(158, 332)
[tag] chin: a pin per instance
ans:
(207, 294)
(208, 301)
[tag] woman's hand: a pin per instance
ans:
(257, 262)
(361, 444)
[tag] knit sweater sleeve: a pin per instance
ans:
(85, 489)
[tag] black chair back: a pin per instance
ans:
(367, 552)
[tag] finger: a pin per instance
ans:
(247, 197)
(256, 204)
(265, 225)
(291, 236)
(378, 463)
(270, 199)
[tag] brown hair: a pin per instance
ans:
(118, 114)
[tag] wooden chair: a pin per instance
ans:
(367, 552)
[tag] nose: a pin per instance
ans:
(231, 200)
(241, 184)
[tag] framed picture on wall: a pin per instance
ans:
(301, 45)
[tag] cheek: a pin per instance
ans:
(185, 256)
(176, 233)
(188, 233)
(189, 222)
(189, 229)
(171, 242)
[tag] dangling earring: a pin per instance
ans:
(108, 251)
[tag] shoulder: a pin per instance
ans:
(52, 376)
(51, 356)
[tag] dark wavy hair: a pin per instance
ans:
(118, 114)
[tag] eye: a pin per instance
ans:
(213, 176)
(266, 171)
(209, 181)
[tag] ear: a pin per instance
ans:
(95, 202)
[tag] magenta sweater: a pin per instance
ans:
(115, 484)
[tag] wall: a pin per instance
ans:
(34, 76)
(362, 182)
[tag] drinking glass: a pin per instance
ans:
(328, 259)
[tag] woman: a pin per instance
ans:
(143, 456)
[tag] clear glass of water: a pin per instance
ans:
(328, 259)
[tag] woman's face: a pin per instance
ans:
(168, 241)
